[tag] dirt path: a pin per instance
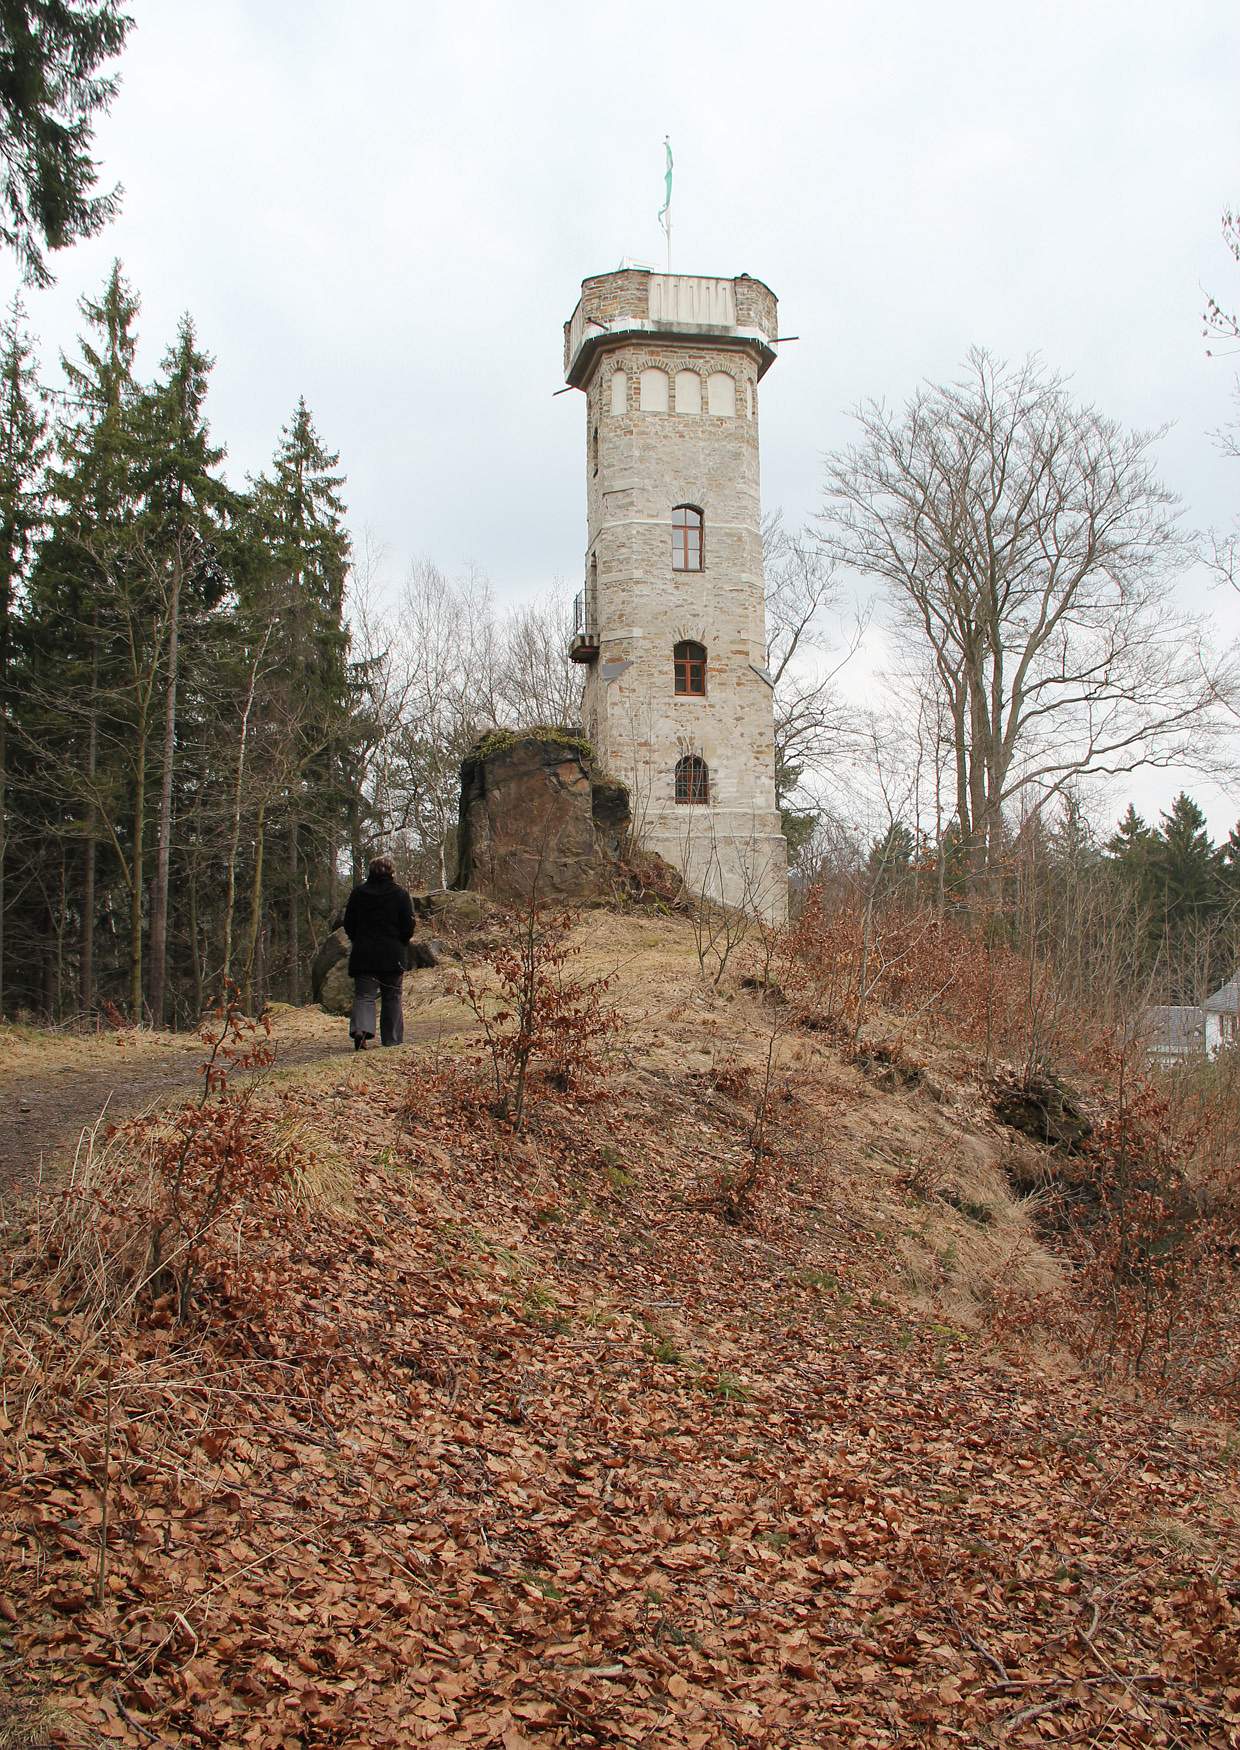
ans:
(47, 1098)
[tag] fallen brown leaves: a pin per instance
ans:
(530, 1449)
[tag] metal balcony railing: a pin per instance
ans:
(584, 644)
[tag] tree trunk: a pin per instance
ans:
(135, 875)
(5, 614)
(234, 841)
(48, 999)
(195, 947)
(293, 916)
(62, 916)
(256, 909)
(355, 833)
(333, 841)
(163, 844)
(90, 848)
(4, 822)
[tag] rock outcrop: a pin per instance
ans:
(1039, 1105)
(333, 950)
(448, 909)
(536, 821)
(330, 984)
(335, 994)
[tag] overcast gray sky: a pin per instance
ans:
(389, 206)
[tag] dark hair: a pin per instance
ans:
(381, 866)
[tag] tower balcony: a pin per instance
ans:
(583, 647)
(633, 303)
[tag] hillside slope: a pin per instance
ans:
(519, 1440)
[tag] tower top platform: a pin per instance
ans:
(635, 302)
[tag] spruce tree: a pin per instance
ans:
(1073, 848)
(1229, 861)
(1128, 851)
(23, 453)
(890, 862)
(949, 872)
(1183, 864)
(93, 674)
(297, 517)
(51, 91)
(184, 505)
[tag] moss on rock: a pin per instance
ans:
(500, 740)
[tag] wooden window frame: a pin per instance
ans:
(688, 538)
(689, 669)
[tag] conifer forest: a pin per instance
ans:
(183, 713)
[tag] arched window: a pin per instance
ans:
(688, 528)
(594, 448)
(688, 392)
(689, 668)
(654, 391)
(619, 392)
(692, 779)
(721, 394)
(748, 398)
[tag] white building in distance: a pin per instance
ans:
(1222, 1017)
(671, 622)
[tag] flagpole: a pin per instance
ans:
(665, 211)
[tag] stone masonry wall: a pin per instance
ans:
(641, 465)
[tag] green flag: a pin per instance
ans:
(667, 200)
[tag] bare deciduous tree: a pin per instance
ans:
(536, 681)
(802, 590)
(1027, 546)
(446, 670)
(1224, 325)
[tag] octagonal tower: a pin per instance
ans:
(671, 622)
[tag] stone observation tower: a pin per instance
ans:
(671, 622)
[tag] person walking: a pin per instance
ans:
(378, 921)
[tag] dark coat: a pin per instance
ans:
(378, 921)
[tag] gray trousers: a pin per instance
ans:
(368, 986)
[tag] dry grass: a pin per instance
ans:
(920, 1167)
(26, 1050)
(33, 1727)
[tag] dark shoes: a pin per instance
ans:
(359, 1040)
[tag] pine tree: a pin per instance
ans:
(23, 453)
(51, 91)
